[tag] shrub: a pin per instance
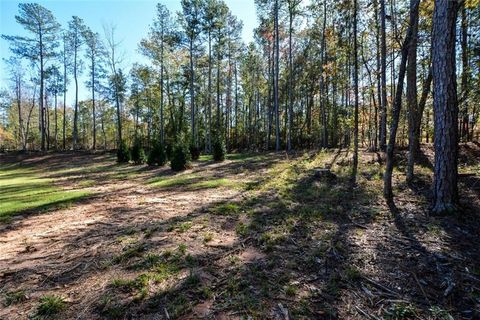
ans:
(123, 155)
(137, 154)
(194, 152)
(219, 150)
(180, 157)
(157, 155)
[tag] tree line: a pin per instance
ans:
(353, 73)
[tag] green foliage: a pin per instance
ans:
(180, 158)
(219, 150)
(352, 273)
(129, 252)
(400, 311)
(157, 155)
(15, 297)
(123, 156)
(137, 153)
(226, 209)
(194, 152)
(50, 305)
(290, 291)
(440, 314)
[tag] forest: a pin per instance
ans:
(327, 169)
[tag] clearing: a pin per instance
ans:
(259, 236)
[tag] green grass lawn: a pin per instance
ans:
(190, 182)
(23, 189)
(237, 157)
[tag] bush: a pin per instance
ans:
(157, 155)
(137, 154)
(219, 150)
(123, 155)
(194, 152)
(180, 157)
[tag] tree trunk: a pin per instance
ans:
(75, 115)
(290, 84)
(355, 86)
(56, 121)
(276, 76)
(397, 105)
(412, 102)
(162, 130)
(93, 105)
(42, 111)
(383, 58)
(445, 106)
(192, 93)
(421, 108)
(464, 134)
(209, 131)
(64, 97)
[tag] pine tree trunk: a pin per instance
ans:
(355, 86)
(276, 76)
(93, 105)
(383, 58)
(445, 106)
(465, 75)
(75, 116)
(412, 103)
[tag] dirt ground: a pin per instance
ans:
(254, 237)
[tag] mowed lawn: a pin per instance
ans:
(24, 190)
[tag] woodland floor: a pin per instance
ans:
(254, 237)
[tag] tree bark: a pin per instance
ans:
(464, 134)
(276, 76)
(445, 106)
(383, 58)
(355, 86)
(397, 105)
(75, 115)
(412, 102)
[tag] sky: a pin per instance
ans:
(131, 18)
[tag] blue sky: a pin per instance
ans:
(131, 17)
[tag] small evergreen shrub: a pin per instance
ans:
(123, 155)
(137, 153)
(180, 157)
(194, 152)
(219, 150)
(157, 155)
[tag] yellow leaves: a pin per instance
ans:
(426, 8)
(471, 4)
(329, 68)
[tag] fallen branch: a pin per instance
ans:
(369, 316)
(421, 288)
(380, 286)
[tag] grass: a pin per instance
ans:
(174, 181)
(15, 297)
(51, 305)
(190, 182)
(225, 209)
(236, 157)
(23, 189)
